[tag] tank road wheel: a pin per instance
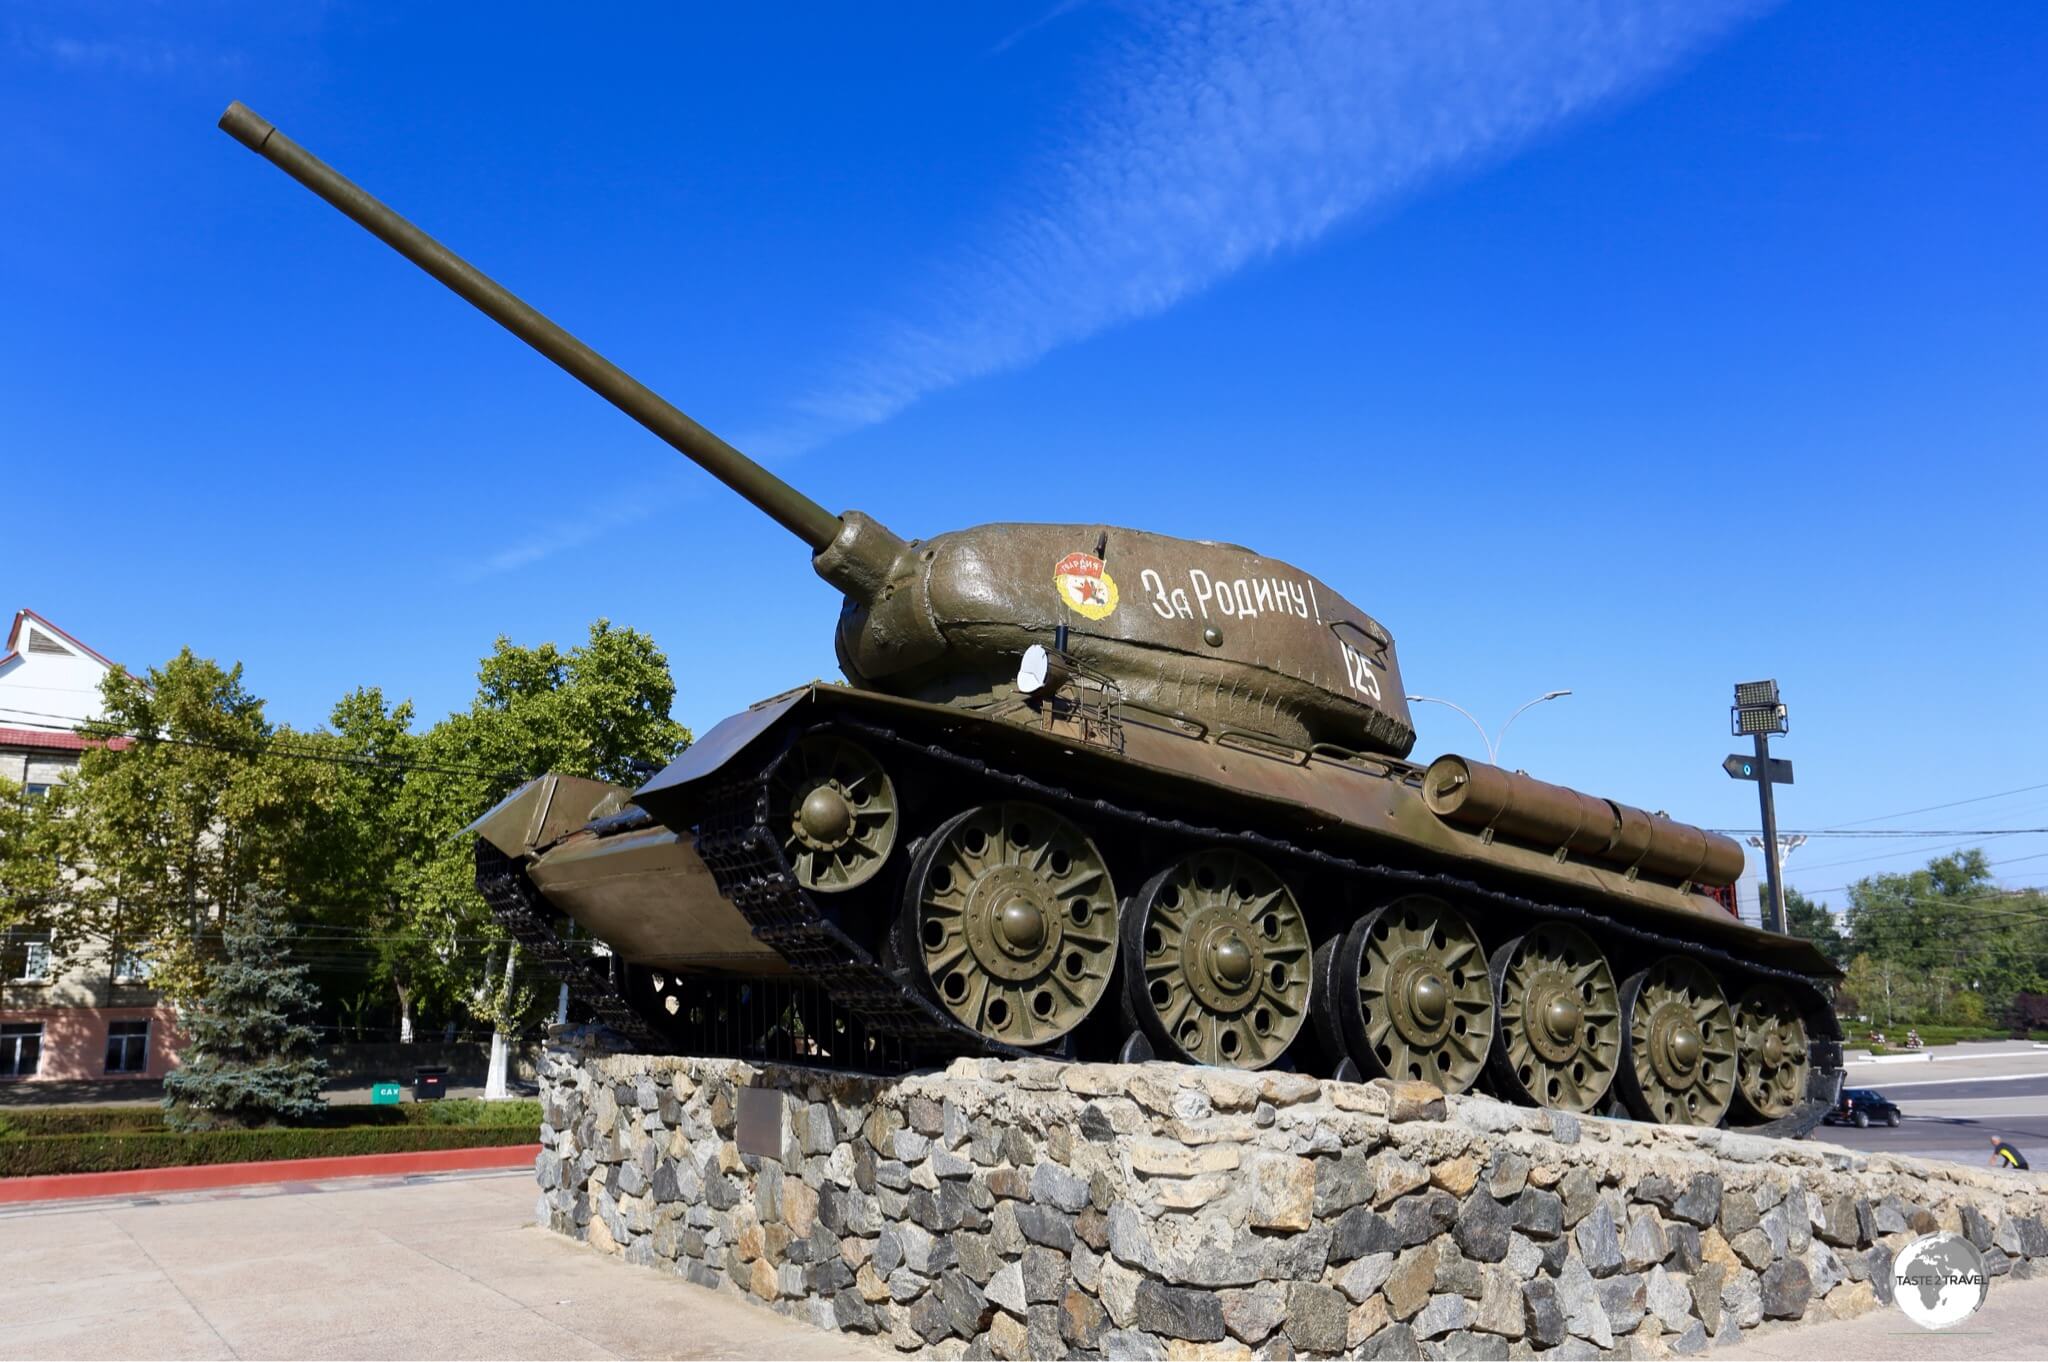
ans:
(1015, 920)
(839, 806)
(1770, 1053)
(1558, 1037)
(1406, 994)
(1217, 954)
(1678, 1045)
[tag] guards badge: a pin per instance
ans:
(1085, 585)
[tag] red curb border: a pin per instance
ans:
(197, 1177)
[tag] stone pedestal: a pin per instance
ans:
(1032, 1209)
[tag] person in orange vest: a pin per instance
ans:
(2004, 1155)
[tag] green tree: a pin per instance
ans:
(1913, 918)
(31, 878)
(1949, 943)
(197, 800)
(1812, 920)
(1881, 990)
(599, 710)
(193, 801)
(355, 853)
(250, 1061)
(1966, 1007)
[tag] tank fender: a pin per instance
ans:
(711, 753)
(545, 810)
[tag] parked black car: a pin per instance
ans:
(1862, 1107)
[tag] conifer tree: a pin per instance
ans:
(250, 1059)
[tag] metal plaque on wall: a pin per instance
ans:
(760, 1129)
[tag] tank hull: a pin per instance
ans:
(689, 891)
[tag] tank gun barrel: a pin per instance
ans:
(791, 509)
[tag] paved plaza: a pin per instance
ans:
(440, 1267)
(449, 1266)
(2011, 1327)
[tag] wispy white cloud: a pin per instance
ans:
(1218, 135)
(128, 55)
(1222, 134)
(1059, 10)
(560, 526)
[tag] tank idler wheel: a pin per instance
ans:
(1216, 955)
(1770, 1053)
(1558, 1038)
(1013, 913)
(1678, 1045)
(839, 808)
(1406, 994)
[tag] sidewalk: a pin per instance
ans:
(2013, 1324)
(439, 1267)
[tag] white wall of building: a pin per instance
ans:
(47, 678)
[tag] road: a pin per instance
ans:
(1955, 1101)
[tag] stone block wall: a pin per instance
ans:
(1033, 1209)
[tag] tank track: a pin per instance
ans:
(744, 853)
(519, 908)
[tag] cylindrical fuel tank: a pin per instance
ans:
(1524, 809)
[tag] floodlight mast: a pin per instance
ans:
(1759, 712)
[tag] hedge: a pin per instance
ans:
(26, 1156)
(80, 1120)
(454, 1111)
(448, 1111)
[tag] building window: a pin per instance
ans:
(35, 789)
(127, 1046)
(21, 1049)
(130, 968)
(27, 961)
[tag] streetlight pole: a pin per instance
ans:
(1493, 743)
(1484, 740)
(1547, 695)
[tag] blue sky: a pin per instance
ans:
(1631, 348)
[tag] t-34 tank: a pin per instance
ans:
(1094, 791)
